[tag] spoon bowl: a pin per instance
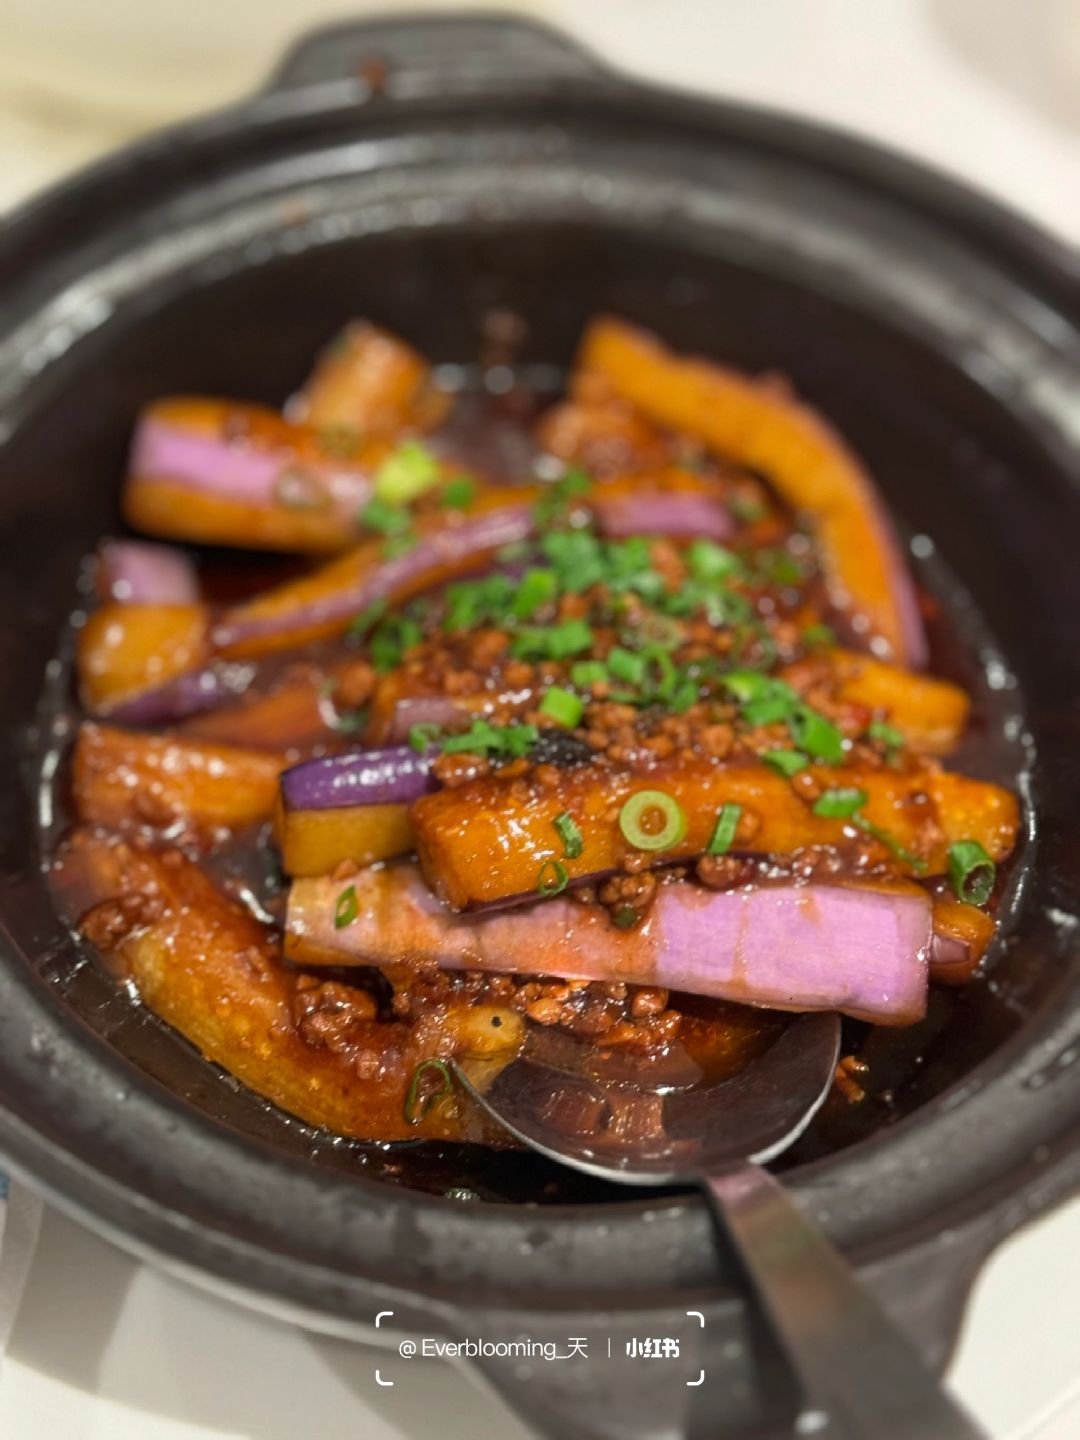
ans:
(559, 1098)
(859, 1376)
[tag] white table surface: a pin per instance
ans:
(106, 1348)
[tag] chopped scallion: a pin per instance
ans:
(538, 587)
(459, 493)
(563, 707)
(475, 602)
(418, 1098)
(483, 738)
(685, 695)
(553, 642)
(840, 803)
(395, 635)
(385, 518)
(423, 735)
(570, 834)
(625, 665)
(347, 908)
(788, 762)
(586, 673)
(971, 872)
(367, 619)
(551, 507)
(406, 473)
(818, 736)
(727, 822)
(888, 735)
(709, 561)
(890, 842)
(764, 699)
(638, 817)
(552, 879)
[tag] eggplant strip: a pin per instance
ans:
(608, 438)
(127, 650)
(931, 714)
(757, 425)
(217, 472)
(402, 699)
(116, 664)
(855, 949)
(294, 716)
(142, 573)
(321, 605)
(448, 545)
(207, 968)
(126, 779)
(316, 842)
(370, 382)
(488, 840)
(962, 934)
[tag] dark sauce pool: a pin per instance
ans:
(904, 1067)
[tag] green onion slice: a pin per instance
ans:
(709, 561)
(553, 642)
(626, 665)
(727, 822)
(570, 835)
(685, 695)
(405, 474)
(366, 620)
(971, 872)
(889, 736)
(841, 803)
(552, 506)
(537, 588)
(563, 707)
(637, 820)
(917, 863)
(586, 673)
(418, 1104)
(394, 636)
(482, 737)
(347, 908)
(386, 518)
(423, 735)
(459, 493)
(764, 700)
(552, 879)
(818, 736)
(788, 762)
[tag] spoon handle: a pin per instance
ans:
(854, 1365)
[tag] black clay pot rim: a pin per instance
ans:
(147, 1213)
(912, 179)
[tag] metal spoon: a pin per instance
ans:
(586, 1108)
